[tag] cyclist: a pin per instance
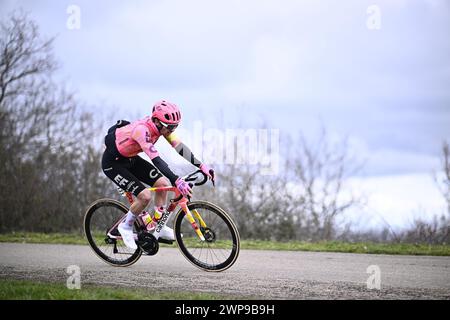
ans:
(128, 171)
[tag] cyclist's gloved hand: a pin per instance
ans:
(183, 187)
(208, 171)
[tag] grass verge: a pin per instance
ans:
(358, 247)
(32, 290)
(325, 246)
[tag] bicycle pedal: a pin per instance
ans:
(160, 240)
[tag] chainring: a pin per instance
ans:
(148, 243)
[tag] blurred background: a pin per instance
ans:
(352, 98)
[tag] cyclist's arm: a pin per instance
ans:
(183, 150)
(163, 167)
(142, 136)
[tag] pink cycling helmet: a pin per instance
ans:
(166, 112)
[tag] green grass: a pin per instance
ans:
(359, 247)
(328, 246)
(32, 290)
(34, 237)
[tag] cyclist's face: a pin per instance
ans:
(165, 131)
(164, 128)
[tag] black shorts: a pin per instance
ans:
(128, 173)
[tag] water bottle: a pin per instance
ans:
(159, 212)
(147, 221)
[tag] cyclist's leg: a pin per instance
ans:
(148, 174)
(161, 197)
(119, 171)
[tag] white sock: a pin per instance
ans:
(129, 220)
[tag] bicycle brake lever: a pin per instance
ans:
(192, 186)
(213, 178)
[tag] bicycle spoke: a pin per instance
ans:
(221, 245)
(99, 220)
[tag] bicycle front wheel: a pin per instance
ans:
(220, 249)
(100, 218)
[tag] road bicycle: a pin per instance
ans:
(206, 235)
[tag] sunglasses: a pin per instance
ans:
(170, 127)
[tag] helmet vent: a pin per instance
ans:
(167, 116)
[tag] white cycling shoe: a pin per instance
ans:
(166, 233)
(127, 234)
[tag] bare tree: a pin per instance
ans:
(261, 205)
(302, 202)
(23, 54)
(445, 188)
(259, 202)
(436, 231)
(43, 164)
(320, 170)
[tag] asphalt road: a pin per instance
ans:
(256, 274)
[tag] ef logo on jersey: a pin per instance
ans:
(152, 149)
(153, 173)
(121, 181)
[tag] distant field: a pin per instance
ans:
(328, 246)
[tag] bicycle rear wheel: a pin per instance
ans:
(221, 248)
(100, 217)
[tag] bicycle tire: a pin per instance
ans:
(184, 245)
(90, 212)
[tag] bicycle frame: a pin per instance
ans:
(179, 200)
(183, 202)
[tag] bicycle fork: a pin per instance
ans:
(190, 218)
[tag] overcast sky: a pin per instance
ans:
(295, 65)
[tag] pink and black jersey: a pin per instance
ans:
(140, 136)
